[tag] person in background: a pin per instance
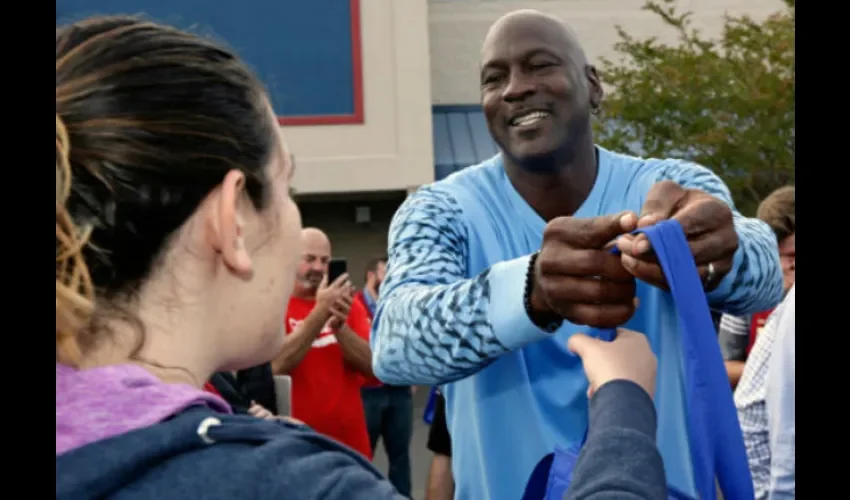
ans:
(245, 389)
(257, 383)
(737, 334)
(780, 405)
(493, 269)
(765, 399)
(441, 483)
(389, 408)
(326, 350)
(226, 386)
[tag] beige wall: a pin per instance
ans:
(457, 28)
(392, 150)
(357, 243)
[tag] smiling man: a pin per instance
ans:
(492, 269)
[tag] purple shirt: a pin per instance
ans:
(104, 402)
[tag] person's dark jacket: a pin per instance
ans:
(231, 391)
(619, 460)
(203, 454)
(258, 384)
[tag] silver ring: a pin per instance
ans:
(709, 278)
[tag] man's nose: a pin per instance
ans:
(519, 87)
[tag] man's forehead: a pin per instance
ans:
(527, 30)
(317, 252)
(316, 246)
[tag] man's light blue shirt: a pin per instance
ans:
(451, 313)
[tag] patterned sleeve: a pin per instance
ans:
(755, 282)
(434, 325)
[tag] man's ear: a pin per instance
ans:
(594, 86)
(229, 223)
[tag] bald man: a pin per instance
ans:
(326, 350)
(493, 269)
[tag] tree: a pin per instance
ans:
(725, 103)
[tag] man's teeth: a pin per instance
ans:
(530, 118)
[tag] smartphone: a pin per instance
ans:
(336, 268)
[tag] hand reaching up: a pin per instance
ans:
(627, 357)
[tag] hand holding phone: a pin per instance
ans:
(335, 293)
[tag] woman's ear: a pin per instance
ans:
(230, 223)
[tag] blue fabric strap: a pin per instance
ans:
(430, 406)
(716, 443)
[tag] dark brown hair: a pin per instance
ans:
(779, 211)
(149, 120)
(372, 265)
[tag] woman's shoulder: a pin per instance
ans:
(223, 456)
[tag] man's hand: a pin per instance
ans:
(627, 357)
(328, 296)
(708, 226)
(342, 307)
(576, 275)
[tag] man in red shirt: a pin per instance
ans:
(326, 349)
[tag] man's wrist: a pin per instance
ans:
(322, 311)
(535, 307)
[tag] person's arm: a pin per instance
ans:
(780, 390)
(734, 337)
(734, 370)
(355, 350)
(620, 460)
(433, 325)
(297, 344)
(441, 483)
(755, 282)
(353, 338)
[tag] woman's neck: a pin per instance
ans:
(173, 356)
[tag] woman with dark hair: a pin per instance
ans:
(176, 248)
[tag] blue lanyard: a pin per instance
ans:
(714, 434)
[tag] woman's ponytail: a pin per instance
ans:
(74, 291)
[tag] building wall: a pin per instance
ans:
(458, 27)
(391, 150)
(349, 79)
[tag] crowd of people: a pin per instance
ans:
(185, 284)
